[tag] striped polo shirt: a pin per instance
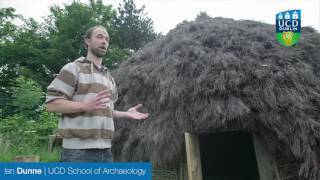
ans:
(78, 81)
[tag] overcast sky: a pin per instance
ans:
(166, 14)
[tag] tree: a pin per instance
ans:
(25, 49)
(27, 96)
(66, 26)
(134, 28)
(21, 52)
(7, 30)
(6, 26)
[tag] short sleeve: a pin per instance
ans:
(64, 85)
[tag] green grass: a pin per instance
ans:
(54, 156)
(42, 151)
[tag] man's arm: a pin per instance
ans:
(132, 113)
(66, 106)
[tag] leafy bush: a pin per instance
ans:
(26, 95)
(25, 135)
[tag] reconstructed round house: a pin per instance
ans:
(226, 101)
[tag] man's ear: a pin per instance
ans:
(87, 41)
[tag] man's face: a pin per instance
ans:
(99, 42)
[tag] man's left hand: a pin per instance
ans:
(133, 113)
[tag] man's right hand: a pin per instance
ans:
(98, 102)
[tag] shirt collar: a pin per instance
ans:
(102, 69)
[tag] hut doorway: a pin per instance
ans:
(228, 156)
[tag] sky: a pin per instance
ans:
(166, 14)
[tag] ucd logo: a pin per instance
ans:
(288, 27)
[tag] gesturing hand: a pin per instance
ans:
(133, 113)
(99, 101)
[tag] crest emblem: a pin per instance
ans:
(288, 27)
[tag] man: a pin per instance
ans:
(84, 93)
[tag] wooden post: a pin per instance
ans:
(193, 157)
(265, 161)
(54, 140)
(51, 142)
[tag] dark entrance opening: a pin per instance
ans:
(228, 156)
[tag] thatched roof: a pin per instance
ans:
(217, 74)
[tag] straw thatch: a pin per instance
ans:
(217, 74)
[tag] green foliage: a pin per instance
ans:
(19, 125)
(45, 48)
(26, 95)
(134, 28)
(21, 52)
(45, 156)
(6, 26)
(7, 13)
(66, 27)
(115, 56)
(24, 135)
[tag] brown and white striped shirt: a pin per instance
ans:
(79, 81)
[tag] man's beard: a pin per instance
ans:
(97, 52)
